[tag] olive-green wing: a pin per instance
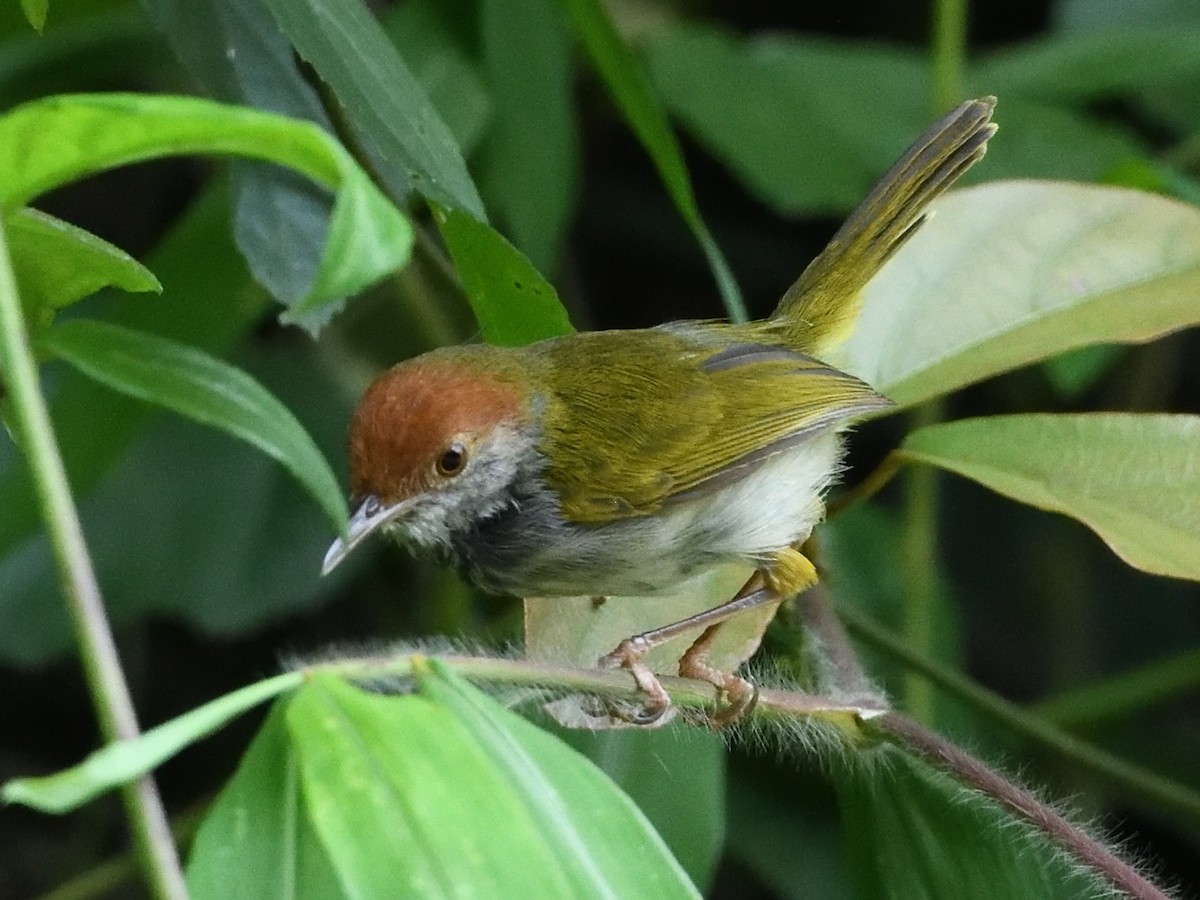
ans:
(641, 418)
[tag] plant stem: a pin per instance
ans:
(964, 767)
(949, 52)
(1147, 789)
(101, 665)
(919, 562)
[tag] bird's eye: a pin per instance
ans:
(452, 461)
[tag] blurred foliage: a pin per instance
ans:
(208, 551)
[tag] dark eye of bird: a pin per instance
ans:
(452, 460)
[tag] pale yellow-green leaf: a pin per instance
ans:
(1133, 479)
(1010, 273)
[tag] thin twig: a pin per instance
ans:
(101, 664)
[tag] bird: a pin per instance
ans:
(627, 462)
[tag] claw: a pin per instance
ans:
(628, 655)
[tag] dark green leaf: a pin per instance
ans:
(1077, 370)
(124, 761)
(57, 264)
(234, 49)
(212, 304)
(444, 793)
(530, 157)
(448, 75)
(513, 303)
(256, 842)
(913, 832)
(1133, 479)
(807, 124)
(47, 143)
(344, 43)
(1008, 274)
(625, 80)
(1094, 65)
(203, 388)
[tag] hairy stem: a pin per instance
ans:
(967, 769)
(30, 420)
(1145, 788)
(919, 565)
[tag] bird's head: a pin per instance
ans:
(435, 445)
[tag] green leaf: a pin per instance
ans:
(236, 52)
(213, 306)
(122, 762)
(446, 72)
(1075, 371)
(513, 303)
(1008, 274)
(57, 264)
(256, 842)
(50, 142)
(203, 388)
(35, 12)
(806, 124)
(1101, 64)
(248, 530)
(621, 72)
(530, 157)
(445, 793)
(1133, 479)
(676, 776)
(914, 832)
(348, 49)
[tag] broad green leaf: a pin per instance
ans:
(50, 142)
(1008, 274)
(913, 832)
(622, 73)
(530, 157)
(676, 777)
(1133, 479)
(57, 263)
(513, 303)
(256, 842)
(445, 793)
(35, 12)
(234, 49)
(122, 762)
(807, 124)
(1094, 65)
(348, 49)
(203, 388)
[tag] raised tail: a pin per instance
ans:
(819, 309)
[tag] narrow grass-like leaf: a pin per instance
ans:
(444, 793)
(622, 73)
(256, 843)
(203, 388)
(57, 263)
(47, 143)
(1133, 479)
(513, 303)
(1012, 273)
(347, 47)
(120, 763)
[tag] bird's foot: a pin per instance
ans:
(740, 694)
(628, 655)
